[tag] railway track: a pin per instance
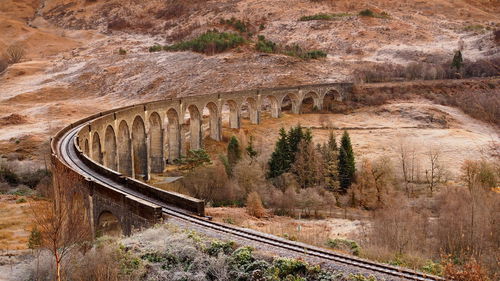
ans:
(66, 152)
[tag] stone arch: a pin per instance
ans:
(96, 148)
(110, 148)
(194, 127)
(140, 157)
(213, 120)
(310, 103)
(173, 135)
(108, 224)
(156, 143)
(290, 102)
(86, 147)
(124, 149)
(330, 99)
(234, 114)
(270, 104)
(250, 104)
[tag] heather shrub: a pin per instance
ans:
(210, 42)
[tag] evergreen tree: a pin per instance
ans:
(308, 165)
(233, 151)
(286, 149)
(332, 142)
(280, 161)
(250, 150)
(330, 154)
(347, 167)
(344, 179)
(457, 60)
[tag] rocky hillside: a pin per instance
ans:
(82, 56)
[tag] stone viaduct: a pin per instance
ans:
(130, 143)
(142, 139)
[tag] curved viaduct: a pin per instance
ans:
(140, 140)
(103, 159)
(128, 144)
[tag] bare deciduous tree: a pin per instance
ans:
(435, 173)
(408, 159)
(62, 221)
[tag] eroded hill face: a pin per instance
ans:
(72, 67)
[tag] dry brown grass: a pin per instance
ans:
(15, 222)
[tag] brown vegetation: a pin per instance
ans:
(476, 98)
(460, 222)
(254, 205)
(15, 53)
(62, 223)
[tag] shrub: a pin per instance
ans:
(316, 17)
(370, 13)
(344, 245)
(15, 53)
(471, 271)
(217, 247)
(210, 42)
(367, 13)
(122, 51)
(9, 176)
(254, 205)
(236, 24)
(32, 179)
(155, 48)
(21, 200)
(315, 54)
(265, 46)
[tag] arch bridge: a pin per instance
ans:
(130, 143)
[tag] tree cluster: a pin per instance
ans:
(325, 165)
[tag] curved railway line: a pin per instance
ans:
(64, 149)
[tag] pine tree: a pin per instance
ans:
(280, 161)
(344, 179)
(347, 167)
(233, 151)
(330, 154)
(332, 142)
(308, 165)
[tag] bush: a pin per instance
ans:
(265, 46)
(15, 53)
(367, 13)
(370, 13)
(316, 17)
(217, 247)
(155, 48)
(315, 54)
(122, 51)
(210, 42)
(236, 24)
(254, 205)
(9, 176)
(344, 245)
(21, 200)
